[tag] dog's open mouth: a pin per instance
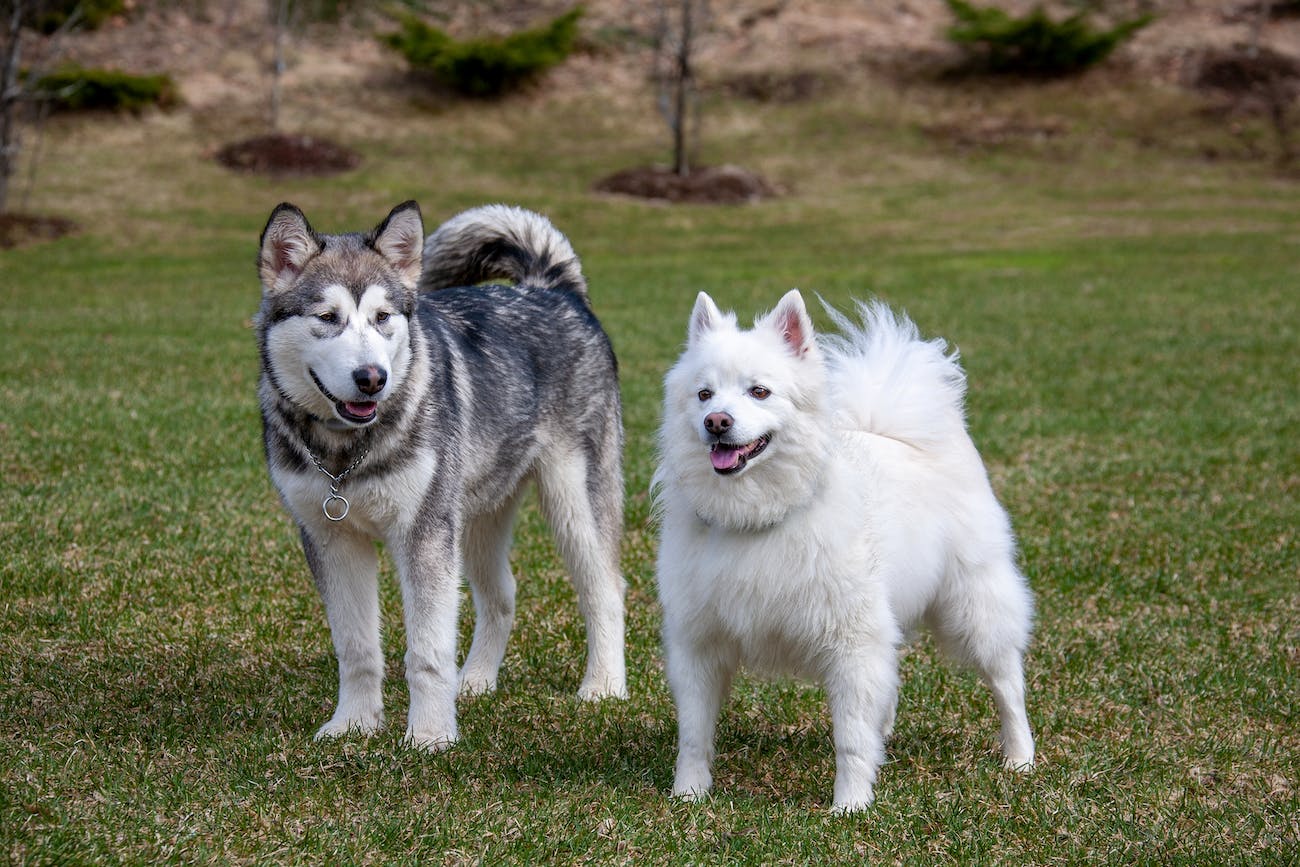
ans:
(728, 458)
(358, 412)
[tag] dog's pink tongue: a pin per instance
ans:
(360, 410)
(724, 457)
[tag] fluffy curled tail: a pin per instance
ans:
(501, 242)
(886, 380)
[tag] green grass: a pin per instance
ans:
(1128, 316)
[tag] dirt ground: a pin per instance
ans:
(286, 154)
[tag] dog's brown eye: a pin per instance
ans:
(759, 392)
(331, 316)
(704, 394)
(382, 316)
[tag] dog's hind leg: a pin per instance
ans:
(487, 568)
(582, 498)
(346, 569)
(1007, 682)
(983, 619)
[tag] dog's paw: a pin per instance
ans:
(852, 796)
(692, 784)
(342, 724)
(472, 685)
(1019, 764)
(429, 741)
(848, 807)
(691, 796)
(599, 688)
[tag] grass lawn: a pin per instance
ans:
(1128, 314)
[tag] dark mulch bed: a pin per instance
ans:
(281, 154)
(1242, 72)
(725, 185)
(17, 230)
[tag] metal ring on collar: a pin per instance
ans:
(325, 506)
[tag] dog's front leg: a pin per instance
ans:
(429, 566)
(345, 567)
(700, 680)
(862, 689)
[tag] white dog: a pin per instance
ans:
(817, 501)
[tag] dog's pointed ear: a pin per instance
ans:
(400, 240)
(288, 244)
(792, 322)
(704, 318)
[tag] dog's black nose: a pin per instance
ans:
(718, 423)
(371, 380)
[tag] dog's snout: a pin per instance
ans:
(718, 423)
(371, 379)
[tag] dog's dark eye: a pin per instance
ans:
(382, 316)
(704, 394)
(331, 316)
(759, 392)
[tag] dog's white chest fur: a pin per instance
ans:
(377, 507)
(783, 594)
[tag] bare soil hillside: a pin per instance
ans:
(221, 53)
(1244, 52)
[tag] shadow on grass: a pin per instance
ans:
(158, 695)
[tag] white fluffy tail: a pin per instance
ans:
(886, 380)
(501, 242)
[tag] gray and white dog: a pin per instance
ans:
(401, 402)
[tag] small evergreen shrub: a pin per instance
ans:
(489, 66)
(74, 88)
(1035, 44)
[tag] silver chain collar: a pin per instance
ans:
(334, 496)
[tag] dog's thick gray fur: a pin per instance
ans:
(433, 409)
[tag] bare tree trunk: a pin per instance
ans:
(674, 73)
(15, 90)
(1278, 96)
(684, 83)
(662, 75)
(11, 93)
(1262, 14)
(280, 26)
